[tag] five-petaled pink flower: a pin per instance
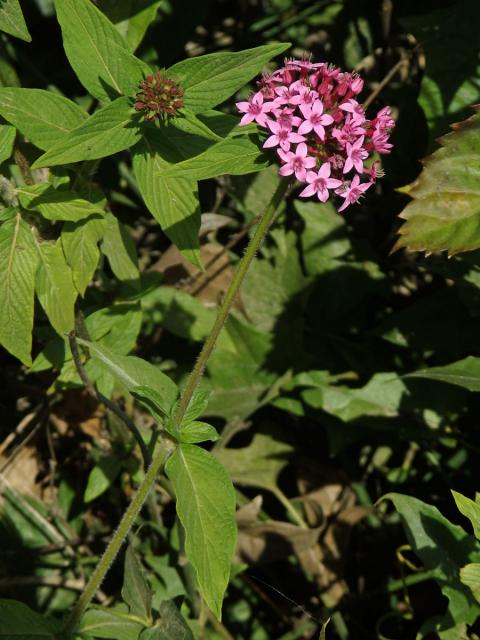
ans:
(282, 136)
(314, 106)
(255, 109)
(314, 119)
(356, 154)
(353, 192)
(296, 162)
(320, 183)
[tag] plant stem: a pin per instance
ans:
(118, 538)
(167, 446)
(253, 246)
(114, 408)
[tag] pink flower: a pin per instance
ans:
(320, 183)
(296, 162)
(313, 106)
(286, 119)
(356, 109)
(349, 133)
(255, 109)
(353, 192)
(281, 137)
(356, 154)
(379, 142)
(314, 119)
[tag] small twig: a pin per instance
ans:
(11, 458)
(21, 426)
(114, 408)
(379, 88)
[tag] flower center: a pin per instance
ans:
(159, 97)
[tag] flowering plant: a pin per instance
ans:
(313, 106)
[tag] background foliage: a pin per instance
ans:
(347, 373)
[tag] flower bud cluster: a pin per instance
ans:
(319, 129)
(158, 97)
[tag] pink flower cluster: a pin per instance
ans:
(319, 129)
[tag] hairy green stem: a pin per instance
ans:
(118, 538)
(167, 446)
(252, 248)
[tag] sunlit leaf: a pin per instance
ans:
(444, 214)
(206, 508)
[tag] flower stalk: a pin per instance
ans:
(167, 445)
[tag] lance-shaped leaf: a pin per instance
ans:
(55, 204)
(132, 372)
(42, 116)
(209, 80)
(444, 214)
(206, 508)
(80, 246)
(119, 247)
(109, 623)
(464, 373)
(109, 130)
(172, 201)
(131, 17)
(54, 286)
(98, 54)
(235, 156)
(18, 264)
(135, 590)
(19, 621)
(12, 20)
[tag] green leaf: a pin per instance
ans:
(12, 20)
(42, 116)
(209, 80)
(119, 247)
(152, 401)
(235, 156)
(180, 313)
(444, 548)
(380, 396)
(19, 621)
(97, 52)
(206, 508)
(108, 623)
(54, 204)
(80, 246)
(133, 372)
(109, 130)
(449, 83)
(18, 264)
(171, 625)
(470, 577)
(135, 590)
(101, 477)
(325, 237)
(173, 202)
(259, 464)
(194, 432)
(470, 509)
(7, 140)
(54, 286)
(197, 405)
(444, 214)
(131, 17)
(464, 373)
